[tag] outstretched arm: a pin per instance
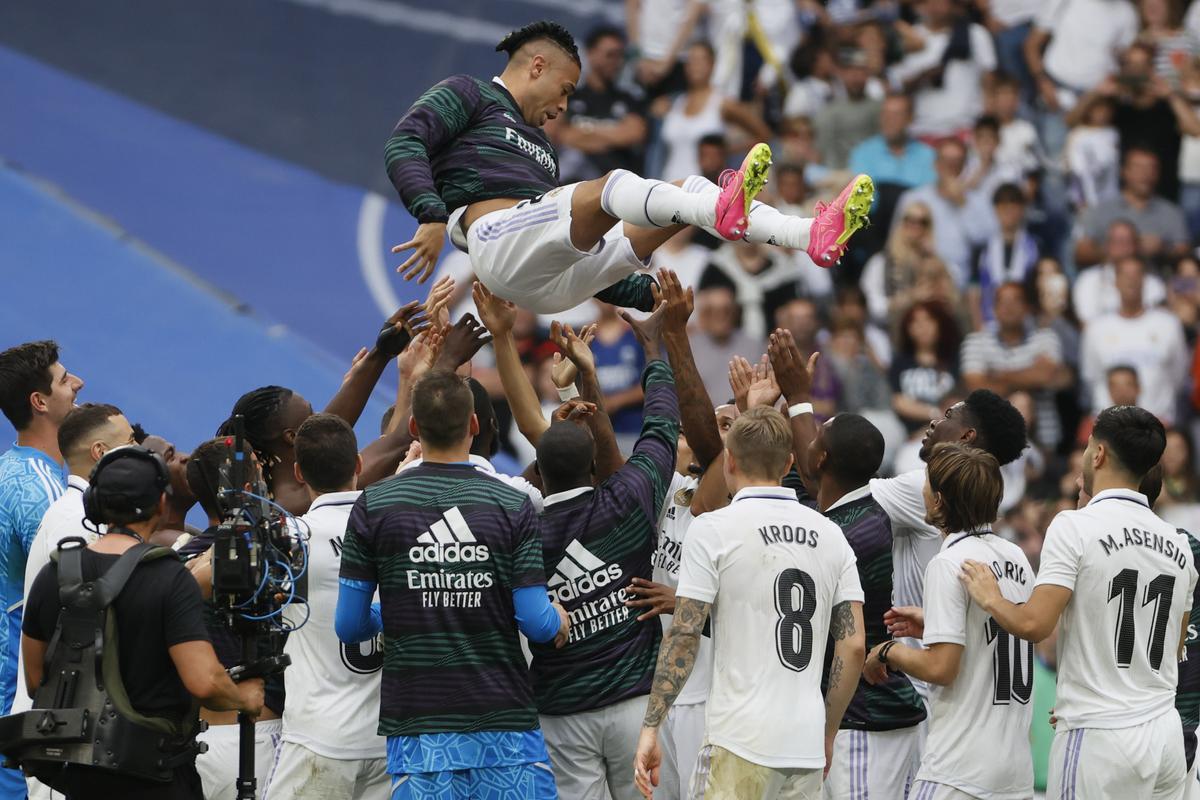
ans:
(1033, 620)
(575, 347)
(498, 315)
(794, 377)
(395, 335)
(695, 406)
(849, 648)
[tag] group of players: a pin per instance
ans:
(739, 609)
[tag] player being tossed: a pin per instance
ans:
(469, 158)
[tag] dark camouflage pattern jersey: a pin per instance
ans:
(1187, 691)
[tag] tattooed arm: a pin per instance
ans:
(676, 658)
(849, 648)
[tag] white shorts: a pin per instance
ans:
(872, 764)
(1191, 787)
(593, 750)
(301, 774)
(723, 775)
(524, 254)
(680, 738)
(218, 767)
(928, 790)
(1144, 761)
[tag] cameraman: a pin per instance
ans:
(164, 653)
(219, 766)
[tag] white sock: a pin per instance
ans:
(768, 225)
(650, 203)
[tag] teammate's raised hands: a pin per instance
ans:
(576, 348)
(794, 376)
(498, 315)
(679, 301)
(461, 342)
(426, 245)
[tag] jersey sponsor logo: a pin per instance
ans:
(448, 541)
(580, 573)
(534, 151)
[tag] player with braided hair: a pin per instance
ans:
(470, 159)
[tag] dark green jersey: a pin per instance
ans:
(447, 545)
(463, 141)
(1187, 692)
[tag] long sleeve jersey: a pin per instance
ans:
(463, 141)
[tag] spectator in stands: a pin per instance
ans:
(864, 383)
(1173, 45)
(849, 303)
(1162, 231)
(699, 111)
(1095, 291)
(717, 338)
(1019, 144)
(1010, 255)
(712, 156)
(890, 275)
(653, 27)
(814, 66)
(852, 115)
(1179, 502)
(1049, 293)
(619, 366)
(1074, 44)
(1092, 153)
(1013, 355)
(1183, 294)
(946, 76)
(802, 318)
(604, 127)
(1149, 339)
(1123, 390)
(925, 363)
(963, 220)
(791, 189)
(985, 172)
(894, 156)
(763, 278)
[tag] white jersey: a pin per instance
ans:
(773, 571)
(332, 688)
(672, 529)
(986, 710)
(1132, 580)
(515, 481)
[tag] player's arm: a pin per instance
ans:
(695, 406)
(582, 362)
(33, 653)
(676, 657)
(795, 378)
(498, 316)
(395, 335)
(1033, 620)
(849, 649)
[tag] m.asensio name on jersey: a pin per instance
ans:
(450, 541)
(539, 154)
(1153, 541)
(581, 573)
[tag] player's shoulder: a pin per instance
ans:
(463, 82)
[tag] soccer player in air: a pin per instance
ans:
(469, 158)
(981, 676)
(457, 558)
(781, 583)
(1122, 582)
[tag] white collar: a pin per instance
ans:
(765, 493)
(76, 482)
(569, 494)
(479, 462)
(334, 499)
(850, 497)
(499, 80)
(1120, 494)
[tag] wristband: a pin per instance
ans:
(800, 408)
(568, 393)
(883, 651)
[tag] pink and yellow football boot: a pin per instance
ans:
(739, 187)
(836, 222)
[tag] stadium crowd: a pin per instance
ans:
(1031, 262)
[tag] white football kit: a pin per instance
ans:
(1132, 577)
(682, 732)
(985, 711)
(330, 745)
(773, 571)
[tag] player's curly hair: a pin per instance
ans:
(261, 409)
(999, 426)
(543, 29)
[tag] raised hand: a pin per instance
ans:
(679, 302)
(574, 410)
(575, 347)
(461, 342)
(498, 315)
(764, 390)
(437, 304)
(648, 331)
(741, 375)
(794, 376)
(420, 356)
(400, 329)
(426, 245)
(354, 362)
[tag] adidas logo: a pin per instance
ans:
(448, 541)
(580, 573)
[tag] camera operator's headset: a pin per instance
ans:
(95, 498)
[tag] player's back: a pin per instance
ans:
(333, 687)
(447, 545)
(985, 710)
(1132, 579)
(780, 568)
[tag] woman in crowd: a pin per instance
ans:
(925, 364)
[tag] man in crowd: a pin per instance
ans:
(165, 658)
(595, 540)
(845, 121)
(1149, 339)
(785, 581)
(1095, 294)
(330, 748)
(1122, 581)
(456, 556)
(894, 156)
(36, 394)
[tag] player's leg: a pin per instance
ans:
(723, 775)
(1173, 773)
(218, 766)
(801, 784)
(301, 774)
(372, 781)
(268, 735)
(447, 785)
(575, 742)
(1094, 762)
(518, 782)
(623, 726)
(928, 790)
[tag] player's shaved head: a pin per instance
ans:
(566, 457)
(854, 449)
(442, 407)
(518, 43)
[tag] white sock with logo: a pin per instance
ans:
(650, 203)
(768, 225)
